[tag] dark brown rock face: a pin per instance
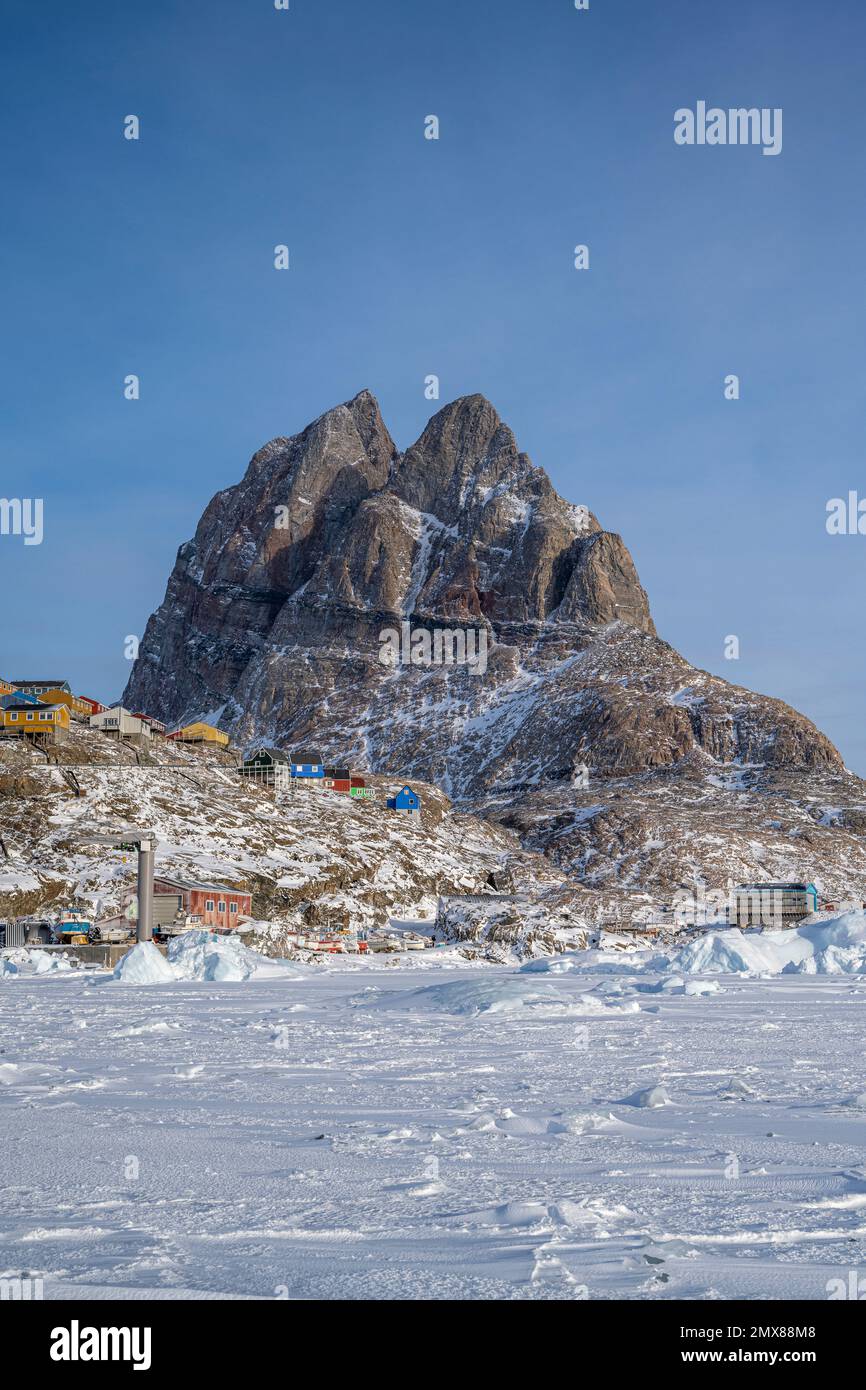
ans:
(272, 618)
(333, 533)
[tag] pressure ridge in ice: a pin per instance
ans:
(833, 947)
(18, 961)
(196, 955)
(825, 946)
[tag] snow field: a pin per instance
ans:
(365, 1131)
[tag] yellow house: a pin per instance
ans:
(45, 723)
(72, 702)
(199, 732)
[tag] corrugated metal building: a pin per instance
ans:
(772, 904)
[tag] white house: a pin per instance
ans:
(120, 722)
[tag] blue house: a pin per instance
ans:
(307, 763)
(405, 800)
(19, 697)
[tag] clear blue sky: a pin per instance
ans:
(453, 257)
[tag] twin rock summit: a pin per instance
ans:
(271, 627)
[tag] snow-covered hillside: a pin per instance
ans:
(320, 859)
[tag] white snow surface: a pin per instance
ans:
(364, 1129)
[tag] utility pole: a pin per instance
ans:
(144, 841)
(144, 930)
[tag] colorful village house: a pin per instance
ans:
(42, 687)
(94, 706)
(406, 800)
(6, 687)
(118, 722)
(307, 764)
(156, 725)
(216, 904)
(79, 709)
(199, 732)
(263, 764)
(359, 788)
(337, 779)
(41, 723)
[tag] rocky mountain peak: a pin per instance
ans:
(273, 618)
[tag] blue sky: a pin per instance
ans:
(454, 257)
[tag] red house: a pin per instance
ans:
(215, 904)
(156, 725)
(96, 707)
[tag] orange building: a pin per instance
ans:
(43, 723)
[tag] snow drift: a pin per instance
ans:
(196, 955)
(832, 947)
(18, 961)
(471, 997)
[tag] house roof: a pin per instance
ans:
(202, 887)
(306, 755)
(339, 774)
(52, 685)
(276, 755)
(763, 887)
(26, 705)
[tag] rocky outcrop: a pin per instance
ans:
(272, 619)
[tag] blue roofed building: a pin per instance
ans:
(305, 762)
(19, 697)
(406, 800)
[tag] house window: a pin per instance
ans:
(222, 907)
(30, 717)
(233, 907)
(209, 905)
(13, 719)
(46, 716)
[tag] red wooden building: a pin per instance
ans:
(156, 725)
(340, 779)
(96, 707)
(215, 904)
